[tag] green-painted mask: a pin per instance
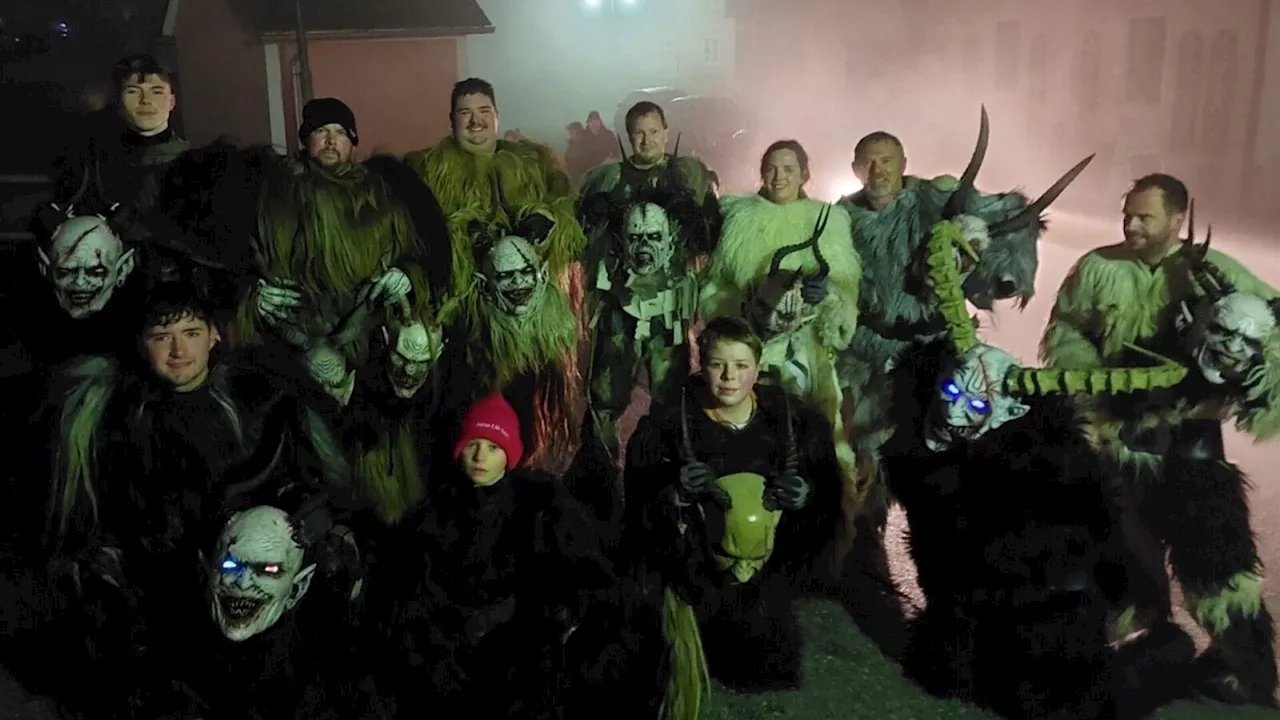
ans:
(742, 536)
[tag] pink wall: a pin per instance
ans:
(223, 71)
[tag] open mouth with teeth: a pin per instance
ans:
(239, 611)
(644, 258)
(1226, 361)
(83, 297)
(519, 297)
(959, 433)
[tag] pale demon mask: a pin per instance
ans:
(1226, 335)
(257, 573)
(973, 401)
(776, 306)
(328, 367)
(416, 349)
(89, 263)
(650, 239)
(515, 275)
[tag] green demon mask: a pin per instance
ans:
(742, 537)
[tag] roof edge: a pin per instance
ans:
(429, 33)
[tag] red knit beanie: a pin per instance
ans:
(492, 419)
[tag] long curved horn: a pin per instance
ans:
(959, 199)
(791, 466)
(812, 242)
(686, 442)
(1031, 213)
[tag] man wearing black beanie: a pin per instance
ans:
(328, 131)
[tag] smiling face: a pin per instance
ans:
(972, 401)
(880, 167)
(88, 264)
(257, 573)
(475, 123)
(179, 351)
(731, 370)
(784, 176)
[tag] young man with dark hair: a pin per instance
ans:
(121, 161)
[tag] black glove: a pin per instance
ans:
(813, 290)
(536, 228)
(698, 481)
(787, 492)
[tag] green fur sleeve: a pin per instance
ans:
(696, 176)
(83, 391)
(1066, 342)
(1240, 276)
(1260, 413)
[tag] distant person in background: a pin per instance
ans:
(601, 140)
(577, 154)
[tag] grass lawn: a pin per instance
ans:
(847, 678)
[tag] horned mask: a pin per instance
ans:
(86, 264)
(515, 276)
(1226, 329)
(985, 388)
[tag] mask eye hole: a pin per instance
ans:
(1005, 289)
(980, 406)
(950, 390)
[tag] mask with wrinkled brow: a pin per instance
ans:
(972, 400)
(86, 264)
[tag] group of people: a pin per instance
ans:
(308, 437)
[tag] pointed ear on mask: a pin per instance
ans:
(124, 266)
(301, 583)
(1017, 410)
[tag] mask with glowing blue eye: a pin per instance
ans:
(257, 573)
(972, 400)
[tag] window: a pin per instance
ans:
(1008, 54)
(1189, 93)
(1038, 69)
(711, 51)
(1145, 69)
(1224, 64)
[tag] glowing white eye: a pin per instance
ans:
(979, 405)
(951, 390)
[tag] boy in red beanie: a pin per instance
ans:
(489, 441)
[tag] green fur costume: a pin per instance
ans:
(755, 229)
(518, 178)
(328, 231)
(1172, 476)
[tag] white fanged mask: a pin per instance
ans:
(89, 262)
(416, 349)
(973, 401)
(974, 231)
(257, 573)
(516, 276)
(650, 239)
(776, 307)
(1227, 335)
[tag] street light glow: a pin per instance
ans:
(593, 3)
(628, 2)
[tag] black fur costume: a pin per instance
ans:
(163, 471)
(504, 606)
(749, 631)
(1021, 560)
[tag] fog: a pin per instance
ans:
(1181, 87)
